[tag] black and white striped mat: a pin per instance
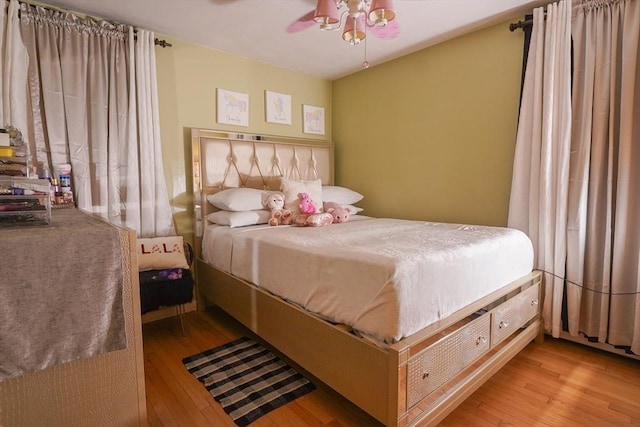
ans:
(247, 379)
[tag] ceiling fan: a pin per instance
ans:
(357, 16)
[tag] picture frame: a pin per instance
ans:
(313, 119)
(277, 107)
(233, 108)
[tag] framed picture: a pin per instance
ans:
(313, 119)
(277, 107)
(233, 108)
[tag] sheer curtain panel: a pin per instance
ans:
(13, 63)
(88, 86)
(538, 204)
(151, 169)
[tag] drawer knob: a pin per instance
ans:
(503, 324)
(534, 302)
(481, 340)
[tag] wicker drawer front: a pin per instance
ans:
(513, 314)
(439, 362)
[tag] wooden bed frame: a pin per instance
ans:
(417, 381)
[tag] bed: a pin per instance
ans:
(430, 312)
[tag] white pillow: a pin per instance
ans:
(239, 219)
(291, 189)
(342, 195)
(161, 253)
(238, 199)
(354, 210)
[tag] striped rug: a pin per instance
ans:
(247, 379)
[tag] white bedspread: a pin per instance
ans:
(386, 278)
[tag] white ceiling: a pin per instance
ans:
(256, 29)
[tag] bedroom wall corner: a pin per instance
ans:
(188, 76)
(438, 143)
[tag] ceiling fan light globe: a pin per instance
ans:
(352, 38)
(381, 22)
(353, 31)
(326, 12)
(326, 27)
(381, 10)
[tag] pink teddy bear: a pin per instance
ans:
(339, 213)
(306, 205)
(307, 210)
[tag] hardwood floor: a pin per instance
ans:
(558, 383)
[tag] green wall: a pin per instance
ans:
(431, 135)
(188, 76)
(427, 136)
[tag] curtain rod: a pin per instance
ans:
(527, 22)
(520, 24)
(156, 41)
(162, 43)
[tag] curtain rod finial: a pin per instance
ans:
(162, 43)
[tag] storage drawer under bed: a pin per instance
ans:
(442, 360)
(439, 362)
(513, 314)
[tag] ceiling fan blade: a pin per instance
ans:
(390, 31)
(302, 23)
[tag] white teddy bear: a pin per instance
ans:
(279, 215)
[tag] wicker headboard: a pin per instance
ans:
(225, 160)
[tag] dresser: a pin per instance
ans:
(86, 367)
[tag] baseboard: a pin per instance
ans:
(600, 346)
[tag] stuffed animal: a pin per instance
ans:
(279, 215)
(319, 219)
(339, 213)
(314, 220)
(306, 205)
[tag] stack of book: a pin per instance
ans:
(14, 160)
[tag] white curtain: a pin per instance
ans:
(577, 167)
(93, 96)
(14, 109)
(538, 203)
(151, 169)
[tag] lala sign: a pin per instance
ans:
(161, 249)
(161, 253)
